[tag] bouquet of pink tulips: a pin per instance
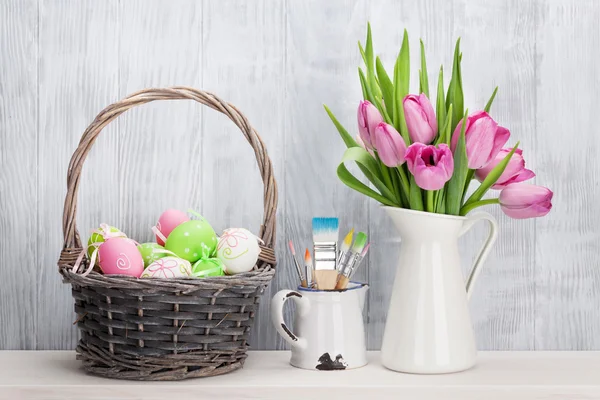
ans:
(425, 159)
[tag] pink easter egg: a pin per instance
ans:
(120, 256)
(168, 221)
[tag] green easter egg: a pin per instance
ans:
(148, 254)
(208, 267)
(98, 238)
(192, 240)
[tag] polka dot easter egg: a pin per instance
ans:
(148, 253)
(192, 240)
(168, 221)
(208, 267)
(99, 235)
(167, 268)
(120, 256)
(238, 249)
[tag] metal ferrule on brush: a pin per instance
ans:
(325, 255)
(348, 268)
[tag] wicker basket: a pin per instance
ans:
(165, 329)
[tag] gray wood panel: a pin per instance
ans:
(18, 173)
(65, 60)
(78, 76)
(566, 246)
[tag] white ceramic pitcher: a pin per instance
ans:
(428, 328)
(329, 333)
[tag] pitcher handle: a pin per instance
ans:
(277, 303)
(485, 249)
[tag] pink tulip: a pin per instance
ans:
(368, 118)
(362, 144)
(431, 166)
(484, 139)
(389, 145)
(520, 200)
(420, 118)
(515, 170)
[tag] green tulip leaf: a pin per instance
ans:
(364, 159)
(362, 52)
(401, 85)
(491, 178)
(455, 89)
(387, 88)
(424, 80)
(371, 82)
(440, 104)
(415, 198)
(346, 137)
(457, 182)
(490, 101)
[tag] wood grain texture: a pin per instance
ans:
(243, 63)
(65, 60)
(320, 69)
(567, 243)
(18, 173)
(78, 75)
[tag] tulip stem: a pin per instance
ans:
(403, 180)
(468, 207)
(430, 202)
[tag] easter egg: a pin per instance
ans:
(98, 237)
(168, 221)
(238, 249)
(148, 254)
(120, 256)
(168, 267)
(192, 240)
(208, 267)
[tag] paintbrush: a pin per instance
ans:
(344, 253)
(325, 237)
(303, 281)
(308, 266)
(356, 256)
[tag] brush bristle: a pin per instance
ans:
(307, 257)
(348, 240)
(325, 229)
(364, 252)
(291, 245)
(359, 242)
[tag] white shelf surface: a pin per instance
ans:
(268, 375)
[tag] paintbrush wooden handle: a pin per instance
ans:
(342, 283)
(326, 279)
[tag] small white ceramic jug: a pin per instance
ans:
(329, 330)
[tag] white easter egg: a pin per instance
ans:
(238, 249)
(168, 268)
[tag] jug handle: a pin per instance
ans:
(485, 249)
(277, 304)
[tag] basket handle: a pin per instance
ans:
(72, 241)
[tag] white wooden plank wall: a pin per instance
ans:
(279, 61)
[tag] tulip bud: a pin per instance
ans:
(431, 166)
(360, 142)
(520, 200)
(389, 144)
(484, 139)
(515, 169)
(368, 118)
(420, 118)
